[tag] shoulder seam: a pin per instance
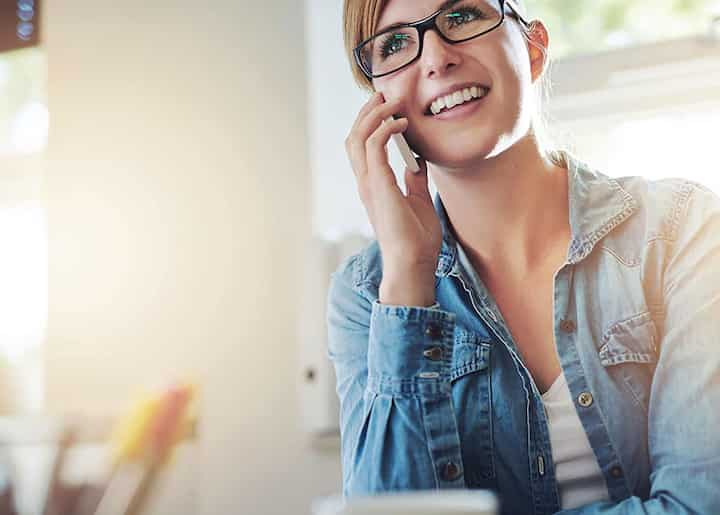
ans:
(679, 209)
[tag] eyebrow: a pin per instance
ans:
(445, 5)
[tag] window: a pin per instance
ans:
(23, 253)
(670, 144)
(23, 103)
(591, 26)
(645, 103)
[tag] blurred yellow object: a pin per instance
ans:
(130, 437)
(143, 444)
(155, 425)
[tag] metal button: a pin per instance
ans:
(616, 472)
(585, 399)
(567, 326)
(434, 331)
(434, 354)
(451, 471)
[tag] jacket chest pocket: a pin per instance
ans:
(470, 376)
(629, 354)
(471, 353)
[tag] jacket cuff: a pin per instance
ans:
(410, 344)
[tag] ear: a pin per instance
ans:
(537, 47)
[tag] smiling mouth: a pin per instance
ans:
(462, 96)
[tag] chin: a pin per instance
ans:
(458, 153)
(453, 147)
(460, 163)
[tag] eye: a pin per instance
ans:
(463, 15)
(394, 43)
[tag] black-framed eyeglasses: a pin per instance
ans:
(456, 21)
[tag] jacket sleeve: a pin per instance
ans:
(684, 410)
(392, 366)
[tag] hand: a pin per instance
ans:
(406, 224)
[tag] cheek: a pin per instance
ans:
(383, 86)
(508, 59)
(398, 86)
(510, 88)
(518, 61)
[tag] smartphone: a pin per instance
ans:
(405, 152)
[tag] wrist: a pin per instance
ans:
(409, 289)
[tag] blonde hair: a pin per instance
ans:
(360, 21)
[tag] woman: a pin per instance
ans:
(541, 330)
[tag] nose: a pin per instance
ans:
(437, 56)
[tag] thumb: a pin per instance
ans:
(416, 183)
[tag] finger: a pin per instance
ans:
(416, 184)
(356, 153)
(376, 148)
(355, 141)
(376, 116)
(376, 99)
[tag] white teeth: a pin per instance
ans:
(457, 98)
(450, 101)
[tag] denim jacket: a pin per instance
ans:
(439, 397)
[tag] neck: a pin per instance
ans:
(511, 212)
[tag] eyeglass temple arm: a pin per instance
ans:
(516, 11)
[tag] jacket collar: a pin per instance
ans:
(598, 204)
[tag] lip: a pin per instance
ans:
(461, 111)
(452, 89)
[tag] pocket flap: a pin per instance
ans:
(632, 340)
(471, 353)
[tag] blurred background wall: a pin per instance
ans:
(178, 197)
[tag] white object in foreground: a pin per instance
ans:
(451, 502)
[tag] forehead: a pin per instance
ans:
(406, 11)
